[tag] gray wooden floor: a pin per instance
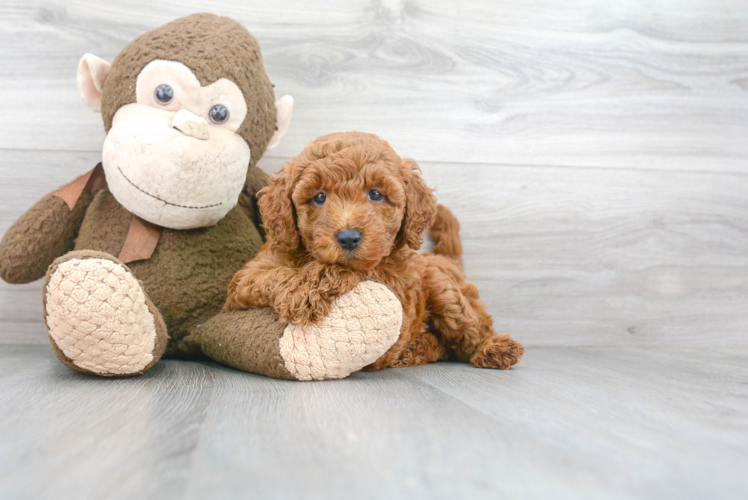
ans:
(596, 154)
(566, 423)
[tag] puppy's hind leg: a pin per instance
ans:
(493, 350)
(461, 318)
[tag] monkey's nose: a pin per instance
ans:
(349, 238)
(190, 124)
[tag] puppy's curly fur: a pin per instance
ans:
(302, 266)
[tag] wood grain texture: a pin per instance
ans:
(594, 152)
(562, 256)
(565, 423)
(647, 84)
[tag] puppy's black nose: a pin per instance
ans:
(349, 238)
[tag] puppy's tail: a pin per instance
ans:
(445, 231)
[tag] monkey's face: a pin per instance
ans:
(174, 156)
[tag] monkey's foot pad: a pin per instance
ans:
(361, 326)
(97, 315)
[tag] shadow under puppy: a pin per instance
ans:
(346, 210)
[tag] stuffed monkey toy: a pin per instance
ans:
(138, 253)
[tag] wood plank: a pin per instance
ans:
(653, 85)
(103, 438)
(562, 256)
(633, 422)
(566, 423)
(605, 257)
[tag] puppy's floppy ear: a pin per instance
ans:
(277, 210)
(420, 205)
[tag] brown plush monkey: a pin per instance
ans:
(138, 253)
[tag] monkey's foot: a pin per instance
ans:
(99, 318)
(361, 326)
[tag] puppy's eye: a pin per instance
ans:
(164, 94)
(375, 195)
(219, 113)
(319, 199)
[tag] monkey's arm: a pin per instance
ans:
(46, 231)
(256, 180)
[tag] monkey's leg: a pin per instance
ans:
(100, 319)
(362, 325)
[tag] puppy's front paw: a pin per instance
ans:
(302, 306)
(361, 325)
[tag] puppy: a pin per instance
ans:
(349, 209)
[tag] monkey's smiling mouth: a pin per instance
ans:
(162, 200)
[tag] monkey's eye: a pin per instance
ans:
(375, 195)
(164, 94)
(219, 113)
(319, 198)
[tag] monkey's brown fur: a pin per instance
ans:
(187, 275)
(212, 47)
(302, 268)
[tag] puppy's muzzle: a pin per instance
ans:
(349, 239)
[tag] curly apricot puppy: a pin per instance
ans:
(349, 209)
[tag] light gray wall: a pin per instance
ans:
(595, 152)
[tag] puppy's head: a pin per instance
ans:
(349, 199)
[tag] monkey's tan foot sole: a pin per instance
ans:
(99, 318)
(361, 326)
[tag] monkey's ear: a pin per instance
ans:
(92, 73)
(283, 109)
